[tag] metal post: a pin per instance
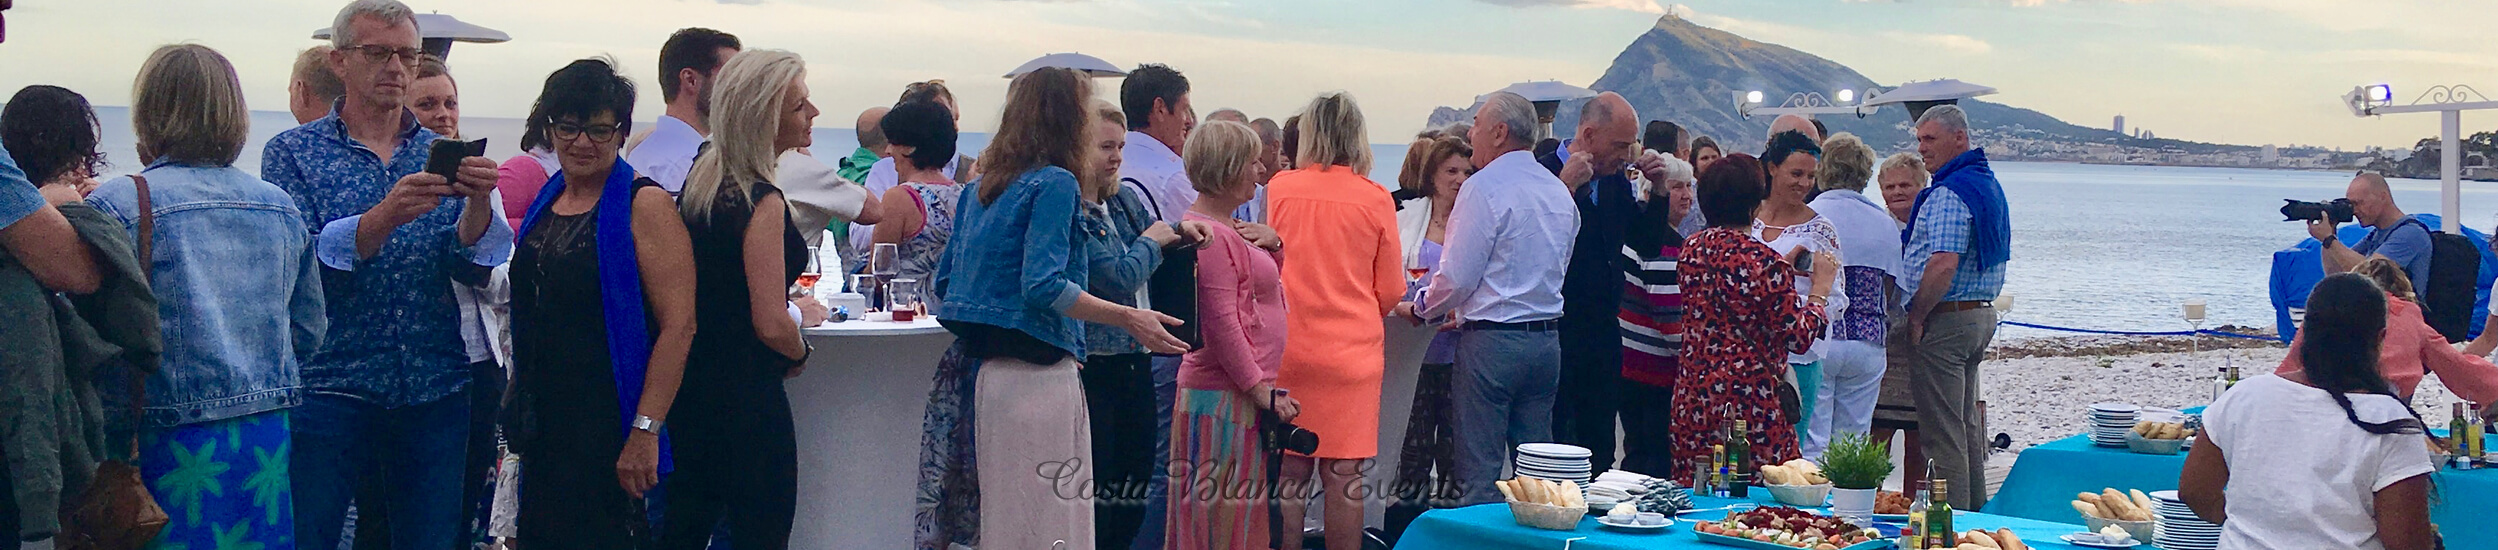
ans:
(2450, 171)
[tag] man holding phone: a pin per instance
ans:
(387, 393)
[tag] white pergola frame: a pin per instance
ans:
(2449, 102)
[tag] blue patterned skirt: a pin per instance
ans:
(224, 483)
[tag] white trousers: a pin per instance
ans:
(1851, 383)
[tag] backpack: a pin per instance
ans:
(2447, 297)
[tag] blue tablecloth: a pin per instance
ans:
(1490, 526)
(2046, 478)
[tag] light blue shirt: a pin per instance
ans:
(1943, 226)
(18, 197)
(1508, 245)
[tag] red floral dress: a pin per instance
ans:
(1742, 316)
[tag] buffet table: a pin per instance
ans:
(1490, 526)
(858, 408)
(2045, 478)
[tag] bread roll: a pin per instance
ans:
(1983, 538)
(2009, 541)
(2141, 501)
(2116, 504)
(2088, 509)
(2092, 498)
(1506, 490)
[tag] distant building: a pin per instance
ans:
(2271, 154)
(2120, 125)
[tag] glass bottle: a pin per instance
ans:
(2474, 448)
(1717, 471)
(2220, 383)
(1739, 457)
(2233, 377)
(1938, 517)
(1915, 535)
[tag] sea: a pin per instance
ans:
(2094, 246)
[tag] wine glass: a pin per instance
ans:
(865, 286)
(814, 273)
(906, 301)
(886, 261)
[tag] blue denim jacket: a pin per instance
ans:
(1012, 264)
(1121, 259)
(394, 336)
(236, 286)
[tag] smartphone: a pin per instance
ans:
(444, 159)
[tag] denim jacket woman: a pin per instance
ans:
(237, 287)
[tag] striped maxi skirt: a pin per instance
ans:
(1218, 473)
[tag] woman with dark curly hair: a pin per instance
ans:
(53, 134)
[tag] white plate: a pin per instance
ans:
(2076, 539)
(1608, 522)
(1555, 450)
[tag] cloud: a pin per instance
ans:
(2218, 52)
(1954, 43)
(1641, 6)
(1750, 28)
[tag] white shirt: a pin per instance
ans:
(1158, 176)
(1817, 235)
(1868, 237)
(817, 194)
(486, 313)
(2301, 475)
(1507, 245)
(667, 154)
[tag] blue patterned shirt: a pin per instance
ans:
(18, 197)
(394, 335)
(1943, 226)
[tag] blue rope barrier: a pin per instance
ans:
(2139, 333)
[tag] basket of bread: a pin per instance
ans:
(2130, 511)
(2159, 438)
(1543, 503)
(1798, 482)
(2000, 539)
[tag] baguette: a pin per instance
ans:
(2092, 498)
(2116, 504)
(1573, 498)
(1983, 539)
(2088, 509)
(2010, 541)
(2141, 501)
(1506, 490)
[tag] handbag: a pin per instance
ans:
(1790, 401)
(115, 510)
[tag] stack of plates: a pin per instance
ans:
(2109, 422)
(1555, 462)
(2178, 528)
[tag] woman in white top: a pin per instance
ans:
(1796, 231)
(1853, 351)
(2329, 457)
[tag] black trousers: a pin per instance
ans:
(485, 392)
(736, 454)
(1647, 429)
(1426, 468)
(1119, 398)
(1591, 375)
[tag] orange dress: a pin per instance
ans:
(1343, 273)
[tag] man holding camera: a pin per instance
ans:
(2372, 203)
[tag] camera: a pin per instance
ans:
(1278, 435)
(2338, 211)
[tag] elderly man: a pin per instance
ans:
(1508, 310)
(871, 144)
(387, 393)
(1271, 155)
(1958, 240)
(1609, 204)
(1228, 114)
(312, 88)
(1796, 123)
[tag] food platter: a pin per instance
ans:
(1786, 528)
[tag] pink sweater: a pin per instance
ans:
(2411, 350)
(1240, 311)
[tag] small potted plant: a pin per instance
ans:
(1856, 466)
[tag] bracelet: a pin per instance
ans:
(1818, 299)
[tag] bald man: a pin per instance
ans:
(1796, 123)
(1228, 115)
(2372, 201)
(1595, 163)
(871, 144)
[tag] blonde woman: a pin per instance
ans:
(1347, 272)
(238, 292)
(1853, 361)
(735, 445)
(1228, 383)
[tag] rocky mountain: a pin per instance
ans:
(1689, 74)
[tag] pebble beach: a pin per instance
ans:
(2040, 389)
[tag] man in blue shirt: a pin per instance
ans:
(2396, 236)
(386, 395)
(1956, 244)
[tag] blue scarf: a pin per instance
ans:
(620, 289)
(1990, 224)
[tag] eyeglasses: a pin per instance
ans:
(599, 133)
(376, 53)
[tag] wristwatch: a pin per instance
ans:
(648, 424)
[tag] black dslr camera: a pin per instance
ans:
(2338, 211)
(1277, 435)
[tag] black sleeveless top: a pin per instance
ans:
(726, 352)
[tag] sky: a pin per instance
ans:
(2232, 71)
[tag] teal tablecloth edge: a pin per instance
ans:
(2047, 477)
(1490, 527)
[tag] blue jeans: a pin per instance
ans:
(1502, 395)
(1157, 491)
(337, 439)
